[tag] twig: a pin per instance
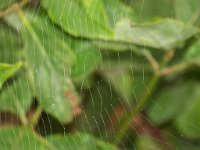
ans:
(34, 119)
(127, 120)
(174, 69)
(143, 52)
(152, 61)
(13, 8)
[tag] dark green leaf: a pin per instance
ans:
(100, 105)
(181, 143)
(193, 53)
(169, 103)
(17, 97)
(188, 122)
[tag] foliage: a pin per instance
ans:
(99, 74)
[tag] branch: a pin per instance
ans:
(125, 124)
(152, 61)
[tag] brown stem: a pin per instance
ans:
(13, 8)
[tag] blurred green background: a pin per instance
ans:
(100, 74)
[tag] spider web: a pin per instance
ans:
(106, 95)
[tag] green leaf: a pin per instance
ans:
(188, 11)
(24, 138)
(48, 58)
(170, 102)
(122, 81)
(193, 53)
(17, 97)
(153, 9)
(147, 142)
(90, 19)
(13, 96)
(77, 141)
(87, 18)
(180, 143)
(6, 71)
(87, 58)
(188, 122)
(10, 45)
(165, 34)
(6, 3)
(116, 11)
(20, 138)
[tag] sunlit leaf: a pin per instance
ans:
(80, 18)
(7, 71)
(165, 34)
(87, 18)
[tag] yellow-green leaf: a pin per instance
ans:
(7, 71)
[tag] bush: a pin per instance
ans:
(99, 74)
